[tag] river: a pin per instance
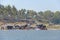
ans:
(29, 34)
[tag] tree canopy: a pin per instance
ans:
(8, 13)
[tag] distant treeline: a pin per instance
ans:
(8, 13)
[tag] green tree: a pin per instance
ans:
(1, 11)
(7, 11)
(31, 13)
(56, 17)
(48, 15)
(14, 12)
(22, 13)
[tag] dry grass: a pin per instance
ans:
(57, 27)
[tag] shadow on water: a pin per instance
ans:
(29, 35)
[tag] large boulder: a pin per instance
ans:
(41, 27)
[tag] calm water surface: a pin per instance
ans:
(29, 35)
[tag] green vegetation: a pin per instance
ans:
(11, 14)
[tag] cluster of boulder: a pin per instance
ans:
(24, 27)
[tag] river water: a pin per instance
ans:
(29, 35)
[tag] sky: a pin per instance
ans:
(37, 5)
